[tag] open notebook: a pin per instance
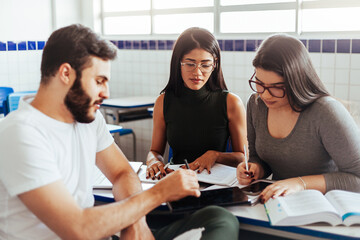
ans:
(101, 182)
(220, 175)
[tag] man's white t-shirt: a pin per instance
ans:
(36, 150)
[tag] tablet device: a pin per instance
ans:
(221, 197)
(256, 187)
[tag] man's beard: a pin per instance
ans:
(78, 103)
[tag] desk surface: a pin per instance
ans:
(255, 219)
(130, 102)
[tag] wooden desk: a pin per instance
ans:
(128, 108)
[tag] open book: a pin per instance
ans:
(220, 175)
(309, 206)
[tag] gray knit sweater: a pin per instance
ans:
(325, 140)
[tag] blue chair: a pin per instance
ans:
(13, 99)
(4, 92)
(116, 129)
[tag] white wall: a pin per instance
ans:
(138, 72)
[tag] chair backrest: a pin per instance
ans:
(4, 92)
(13, 99)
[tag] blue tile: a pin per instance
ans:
(128, 44)
(114, 42)
(314, 45)
(121, 44)
(2, 46)
(152, 44)
(250, 45)
(221, 44)
(239, 45)
(31, 45)
(144, 44)
(229, 45)
(136, 44)
(258, 43)
(161, 44)
(304, 41)
(343, 46)
(22, 46)
(169, 44)
(11, 46)
(40, 45)
(355, 46)
(328, 46)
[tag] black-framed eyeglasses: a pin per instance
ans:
(191, 66)
(258, 87)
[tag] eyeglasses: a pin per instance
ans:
(204, 67)
(258, 87)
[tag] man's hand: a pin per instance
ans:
(138, 230)
(178, 185)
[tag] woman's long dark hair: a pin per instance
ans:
(190, 39)
(288, 57)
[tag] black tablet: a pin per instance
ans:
(221, 197)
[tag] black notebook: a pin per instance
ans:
(220, 197)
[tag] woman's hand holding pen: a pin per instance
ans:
(205, 161)
(156, 169)
(246, 177)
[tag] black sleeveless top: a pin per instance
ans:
(196, 122)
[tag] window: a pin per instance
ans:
(227, 17)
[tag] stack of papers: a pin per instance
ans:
(101, 182)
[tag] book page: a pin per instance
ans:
(347, 203)
(306, 202)
(220, 174)
(301, 208)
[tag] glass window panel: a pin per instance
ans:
(257, 21)
(331, 19)
(127, 25)
(177, 23)
(126, 5)
(164, 4)
(243, 2)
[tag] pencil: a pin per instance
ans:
(246, 159)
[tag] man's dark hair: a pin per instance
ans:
(74, 44)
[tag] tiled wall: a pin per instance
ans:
(142, 68)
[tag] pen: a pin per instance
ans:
(165, 167)
(246, 160)
(187, 164)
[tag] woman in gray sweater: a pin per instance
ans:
(296, 130)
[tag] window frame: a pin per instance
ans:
(217, 9)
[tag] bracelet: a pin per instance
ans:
(303, 182)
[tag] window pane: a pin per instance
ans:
(177, 23)
(243, 2)
(331, 19)
(126, 5)
(257, 21)
(127, 25)
(163, 4)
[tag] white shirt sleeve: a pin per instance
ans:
(104, 138)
